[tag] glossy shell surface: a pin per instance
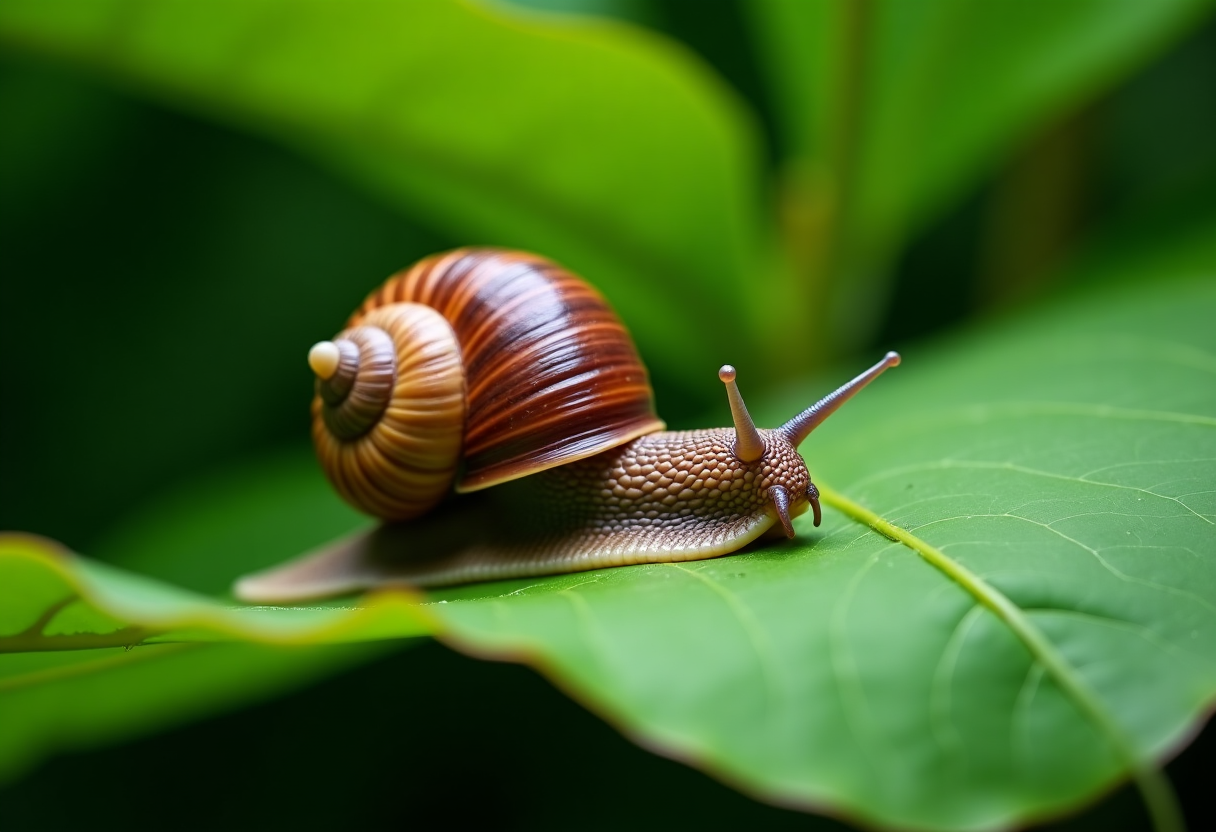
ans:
(551, 374)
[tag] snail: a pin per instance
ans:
(486, 367)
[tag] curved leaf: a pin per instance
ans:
(53, 600)
(1058, 633)
(1068, 462)
(69, 677)
(602, 146)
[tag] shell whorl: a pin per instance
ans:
(388, 422)
(552, 376)
(359, 390)
(544, 372)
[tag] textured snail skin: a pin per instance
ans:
(666, 497)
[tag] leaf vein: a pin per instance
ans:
(1118, 573)
(940, 703)
(946, 465)
(756, 636)
(1154, 787)
(844, 672)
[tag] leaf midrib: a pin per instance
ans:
(1155, 789)
(75, 670)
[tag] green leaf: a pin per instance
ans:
(891, 110)
(1058, 473)
(1068, 463)
(606, 147)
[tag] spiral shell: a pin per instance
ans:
(499, 360)
(387, 425)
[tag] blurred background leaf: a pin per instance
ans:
(888, 111)
(96, 689)
(517, 132)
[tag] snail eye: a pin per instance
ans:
(749, 444)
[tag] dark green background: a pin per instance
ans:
(146, 253)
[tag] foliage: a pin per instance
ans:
(1053, 471)
(912, 675)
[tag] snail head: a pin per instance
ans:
(775, 451)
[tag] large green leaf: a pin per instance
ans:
(1068, 464)
(1054, 474)
(1057, 632)
(892, 108)
(605, 147)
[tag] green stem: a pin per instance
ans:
(33, 639)
(846, 128)
(1155, 788)
(38, 643)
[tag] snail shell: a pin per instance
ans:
(499, 360)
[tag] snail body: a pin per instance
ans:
(486, 367)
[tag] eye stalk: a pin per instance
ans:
(749, 444)
(797, 429)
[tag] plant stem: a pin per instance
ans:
(38, 643)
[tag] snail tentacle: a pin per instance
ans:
(812, 496)
(749, 444)
(798, 428)
(781, 501)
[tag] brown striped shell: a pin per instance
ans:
(498, 360)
